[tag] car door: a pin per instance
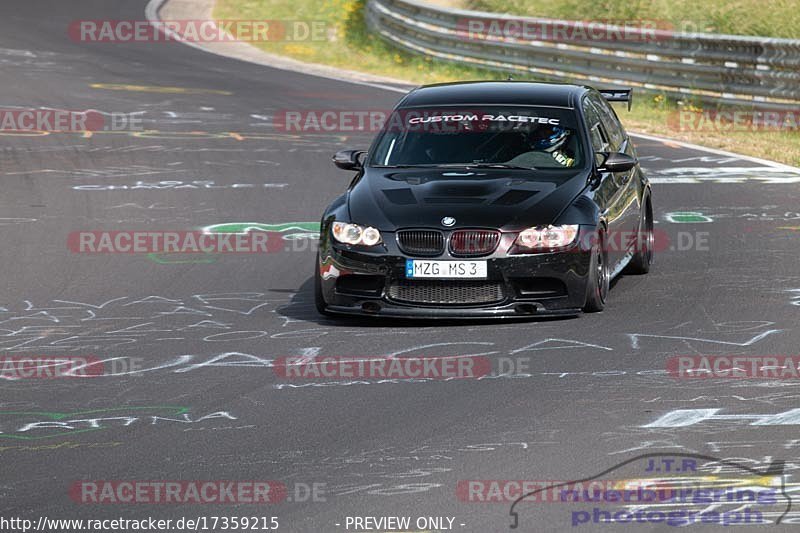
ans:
(608, 194)
(626, 182)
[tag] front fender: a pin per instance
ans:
(583, 210)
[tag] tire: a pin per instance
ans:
(597, 287)
(319, 300)
(643, 258)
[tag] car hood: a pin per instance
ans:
(496, 198)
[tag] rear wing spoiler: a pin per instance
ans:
(618, 95)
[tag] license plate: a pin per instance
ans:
(416, 268)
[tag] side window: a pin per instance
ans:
(608, 117)
(599, 142)
(596, 134)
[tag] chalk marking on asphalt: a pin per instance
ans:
(439, 344)
(27, 133)
(689, 417)
(567, 344)
(687, 217)
(634, 337)
(682, 144)
(156, 89)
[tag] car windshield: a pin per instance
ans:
(502, 137)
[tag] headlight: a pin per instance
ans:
(354, 234)
(547, 237)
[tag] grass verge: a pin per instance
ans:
(776, 18)
(351, 46)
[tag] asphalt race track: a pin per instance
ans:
(190, 342)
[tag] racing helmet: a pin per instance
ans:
(549, 139)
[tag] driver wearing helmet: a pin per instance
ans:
(553, 140)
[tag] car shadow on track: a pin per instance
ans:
(301, 307)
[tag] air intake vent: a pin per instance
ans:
(514, 196)
(446, 292)
(400, 196)
(421, 242)
(473, 242)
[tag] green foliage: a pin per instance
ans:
(351, 46)
(773, 18)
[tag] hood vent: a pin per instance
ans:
(400, 196)
(515, 196)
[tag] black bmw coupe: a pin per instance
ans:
(487, 199)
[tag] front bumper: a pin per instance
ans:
(373, 283)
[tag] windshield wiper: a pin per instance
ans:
(459, 165)
(498, 165)
(407, 166)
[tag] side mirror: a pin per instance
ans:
(617, 162)
(349, 159)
